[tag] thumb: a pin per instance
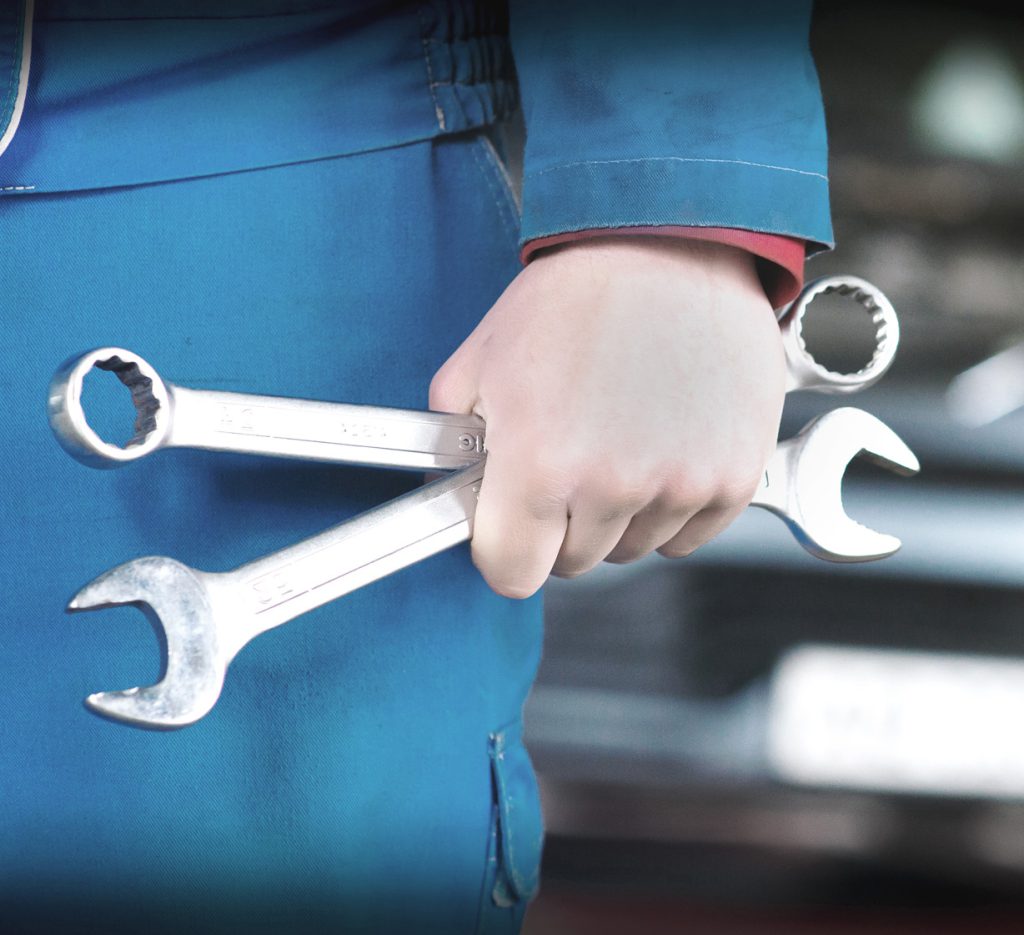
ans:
(455, 387)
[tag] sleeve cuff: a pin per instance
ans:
(780, 259)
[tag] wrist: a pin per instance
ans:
(674, 262)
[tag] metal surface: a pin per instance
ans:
(207, 618)
(803, 483)
(804, 372)
(169, 416)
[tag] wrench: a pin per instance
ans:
(169, 416)
(206, 618)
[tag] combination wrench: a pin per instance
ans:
(206, 618)
(169, 416)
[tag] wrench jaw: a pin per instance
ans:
(150, 395)
(815, 462)
(175, 599)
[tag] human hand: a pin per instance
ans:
(632, 390)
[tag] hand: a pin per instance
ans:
(632, 389)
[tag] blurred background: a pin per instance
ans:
(753, 740)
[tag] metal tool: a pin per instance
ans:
(169, 416)
(804, 372)
(206, 618)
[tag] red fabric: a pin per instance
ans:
(780, 259)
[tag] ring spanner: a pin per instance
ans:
(206, 618)
(171, 416)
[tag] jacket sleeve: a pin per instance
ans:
(670, 114)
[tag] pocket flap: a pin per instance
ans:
(521, 830)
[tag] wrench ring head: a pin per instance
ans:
(70, 425)
(805, 372)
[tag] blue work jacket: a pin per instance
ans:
(302, 198)
(644, 114)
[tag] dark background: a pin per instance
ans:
(648, 723)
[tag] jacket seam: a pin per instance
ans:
(491, 155)
(508, 222)
(432, 85)
(694, 159)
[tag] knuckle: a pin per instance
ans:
(738, 488)
(613, 495)
(547, 479)
(545, 501)
(685, 492)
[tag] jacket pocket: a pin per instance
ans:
(517, 834)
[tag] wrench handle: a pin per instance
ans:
(270, 591)
(340, 433)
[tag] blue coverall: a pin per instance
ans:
(303, 198)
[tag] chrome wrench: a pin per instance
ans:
(169, 416)
(206, 618)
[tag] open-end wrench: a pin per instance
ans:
(172, 416)
(206, 618)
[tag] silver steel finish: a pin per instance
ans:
(803, 483)
(207, 618)
(170, 416)
(804, 372)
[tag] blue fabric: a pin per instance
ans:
(12, 32)
(235, 93)
(297, 199)
(345, 778)
(692, 114)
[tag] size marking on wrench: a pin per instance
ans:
(207, 618)
(173, 416)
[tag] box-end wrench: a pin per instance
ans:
(169, 416)
(206, 618)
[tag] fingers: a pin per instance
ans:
(521, 520)
(652, 527)
(590, 536)
(532, 522)
(702, 528)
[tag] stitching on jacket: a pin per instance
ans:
(503, 212)
(431, 83)
(18, 188)
(491, 155)
(733, 162)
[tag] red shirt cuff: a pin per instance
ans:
(780, 259)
